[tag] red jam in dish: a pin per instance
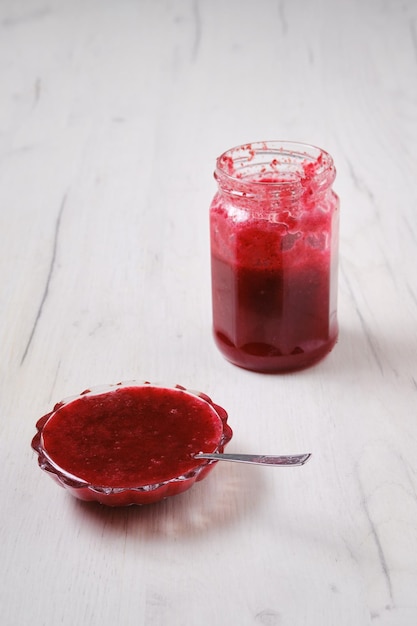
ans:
(273, 261)
(134, 436)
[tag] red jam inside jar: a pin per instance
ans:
(274, 230)
(132, 437)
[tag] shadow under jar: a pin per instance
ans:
(274, 225)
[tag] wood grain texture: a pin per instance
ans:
(112, 114)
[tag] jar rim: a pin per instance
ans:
(275, 165)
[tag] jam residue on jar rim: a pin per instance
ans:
(284, 169)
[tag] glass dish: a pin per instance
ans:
(135, 493)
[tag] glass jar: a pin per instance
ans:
(274, 246)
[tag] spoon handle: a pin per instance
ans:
(257, 459)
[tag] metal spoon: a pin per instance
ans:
(257, 459)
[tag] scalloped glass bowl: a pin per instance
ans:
(116, 494)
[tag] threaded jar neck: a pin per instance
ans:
(277, 171)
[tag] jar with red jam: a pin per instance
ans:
(274, 247)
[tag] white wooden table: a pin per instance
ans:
(111, 116)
